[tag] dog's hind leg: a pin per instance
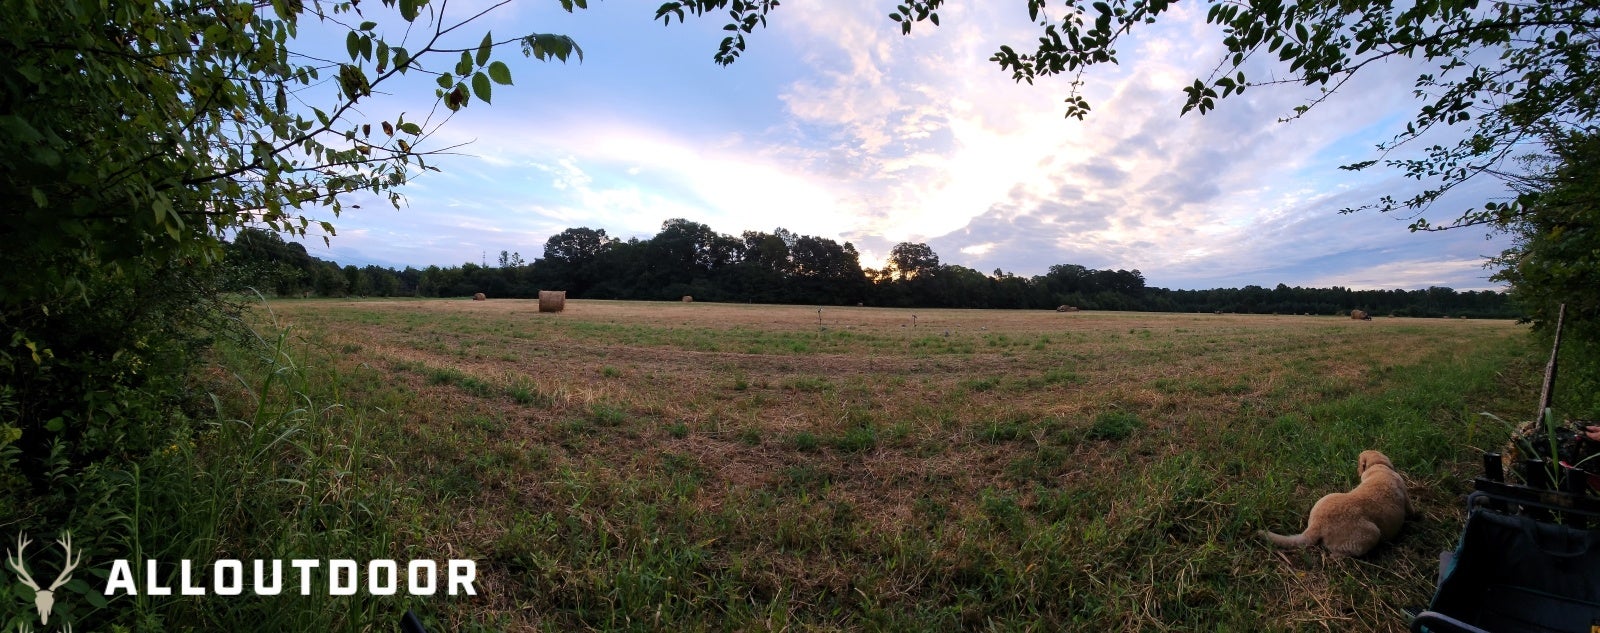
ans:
(1359, 539)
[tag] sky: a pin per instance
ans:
(834, 124)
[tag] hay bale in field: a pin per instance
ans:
(688, 299)
(1360, 315)
(479, 297)
(552, 300)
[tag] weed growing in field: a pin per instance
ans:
(1114, 425)
(806, 441)
(1006, 430)
(606, 414)
(857, 438)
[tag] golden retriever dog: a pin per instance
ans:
(1352, 523)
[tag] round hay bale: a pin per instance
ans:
(479, 297)
(688, 299)
(552, 300)
(1359, 315)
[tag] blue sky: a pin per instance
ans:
(834, 124)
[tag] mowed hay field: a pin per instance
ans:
(698, 466)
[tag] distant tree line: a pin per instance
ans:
(688, 258)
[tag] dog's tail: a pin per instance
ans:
(1296, 541)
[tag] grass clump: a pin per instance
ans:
(606, 414)
(857, 439)
(1114, 425)
(806, 441)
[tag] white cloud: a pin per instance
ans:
(978, 249)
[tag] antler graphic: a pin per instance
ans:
(44, 600)
(70, 563)
(16, 563)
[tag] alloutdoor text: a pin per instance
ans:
(342, 578)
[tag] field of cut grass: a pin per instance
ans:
(667, 466)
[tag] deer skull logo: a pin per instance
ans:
(45, 599)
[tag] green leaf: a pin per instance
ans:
(95, 599)
(484, 48)
(500, 73)
(480, 86)
(352, 43)
(411, 128)
(161, 207)
(464, 67)
(446, 81)
(54, 425)
(408, 9)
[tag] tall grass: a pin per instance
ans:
(281, 469)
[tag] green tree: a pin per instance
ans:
(328, 280)
(140, 134)
(1556, 256)
(909, 260)
(571, 257)
(183, 120)
(1555, 259)
(826, 272)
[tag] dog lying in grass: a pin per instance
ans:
(1352, 523)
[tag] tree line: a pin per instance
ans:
(688, 258)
